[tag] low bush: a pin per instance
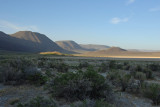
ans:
(125, 81)
(140, 76)
(154, 67)
(61, 67)
(102, 103)
(92, 103)
(138, 68)
(114, 75)
(21, 64)
(24, 72)
(126, 66)
(146, 71)
(119, 78)
(153, 92)
(83, 65)
(79, 86)
(14, 101)
(39, 102)
(112, 64)
(36, 78)
(103, 67)
(149, 74)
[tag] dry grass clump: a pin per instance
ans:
(51, 53)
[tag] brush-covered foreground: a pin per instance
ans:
(51, 81)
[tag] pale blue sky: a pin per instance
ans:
(130, 24)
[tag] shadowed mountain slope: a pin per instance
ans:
(69, 45)
(38, 42)
(27, 41)
(12, 44)
(72, 46)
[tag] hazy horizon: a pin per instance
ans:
(129, 24)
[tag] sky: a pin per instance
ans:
(129, 24)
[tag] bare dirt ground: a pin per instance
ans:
(21, 93)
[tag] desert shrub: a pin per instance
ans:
(61, 67)
(125, 81)
(145, 71)
(83, 65)
(153, 92)
(102, 103)
(39, 102)
(70, 86)
(126, 66)
(92, 103)
(149, 74)
(79, 86)
(119, 66)
(9, 74)
(36, 78)
(138, 68)
(43, 59)
(114, 75)
(14, 101)
(154, 67)
(24, 72)
(41, 64)
(103, 67)
(115, 65)
(140, 76)
(126, 63)
(112, 64)
(20, 64)
(1, 76)
(119, 78)
(134, 86)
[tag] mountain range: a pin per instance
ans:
(33, 42)
(27, 41)
(119, 52)
(79, 48)
(94, 46)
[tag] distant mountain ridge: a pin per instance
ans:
(72, 46)
(27, 41)
(119, 52)
(68, 45)
(94, 46)
(109, 51)
(38, 42)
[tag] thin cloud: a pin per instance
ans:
(117, 20)
(15, 27)
(154, 9)
(130, 2)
